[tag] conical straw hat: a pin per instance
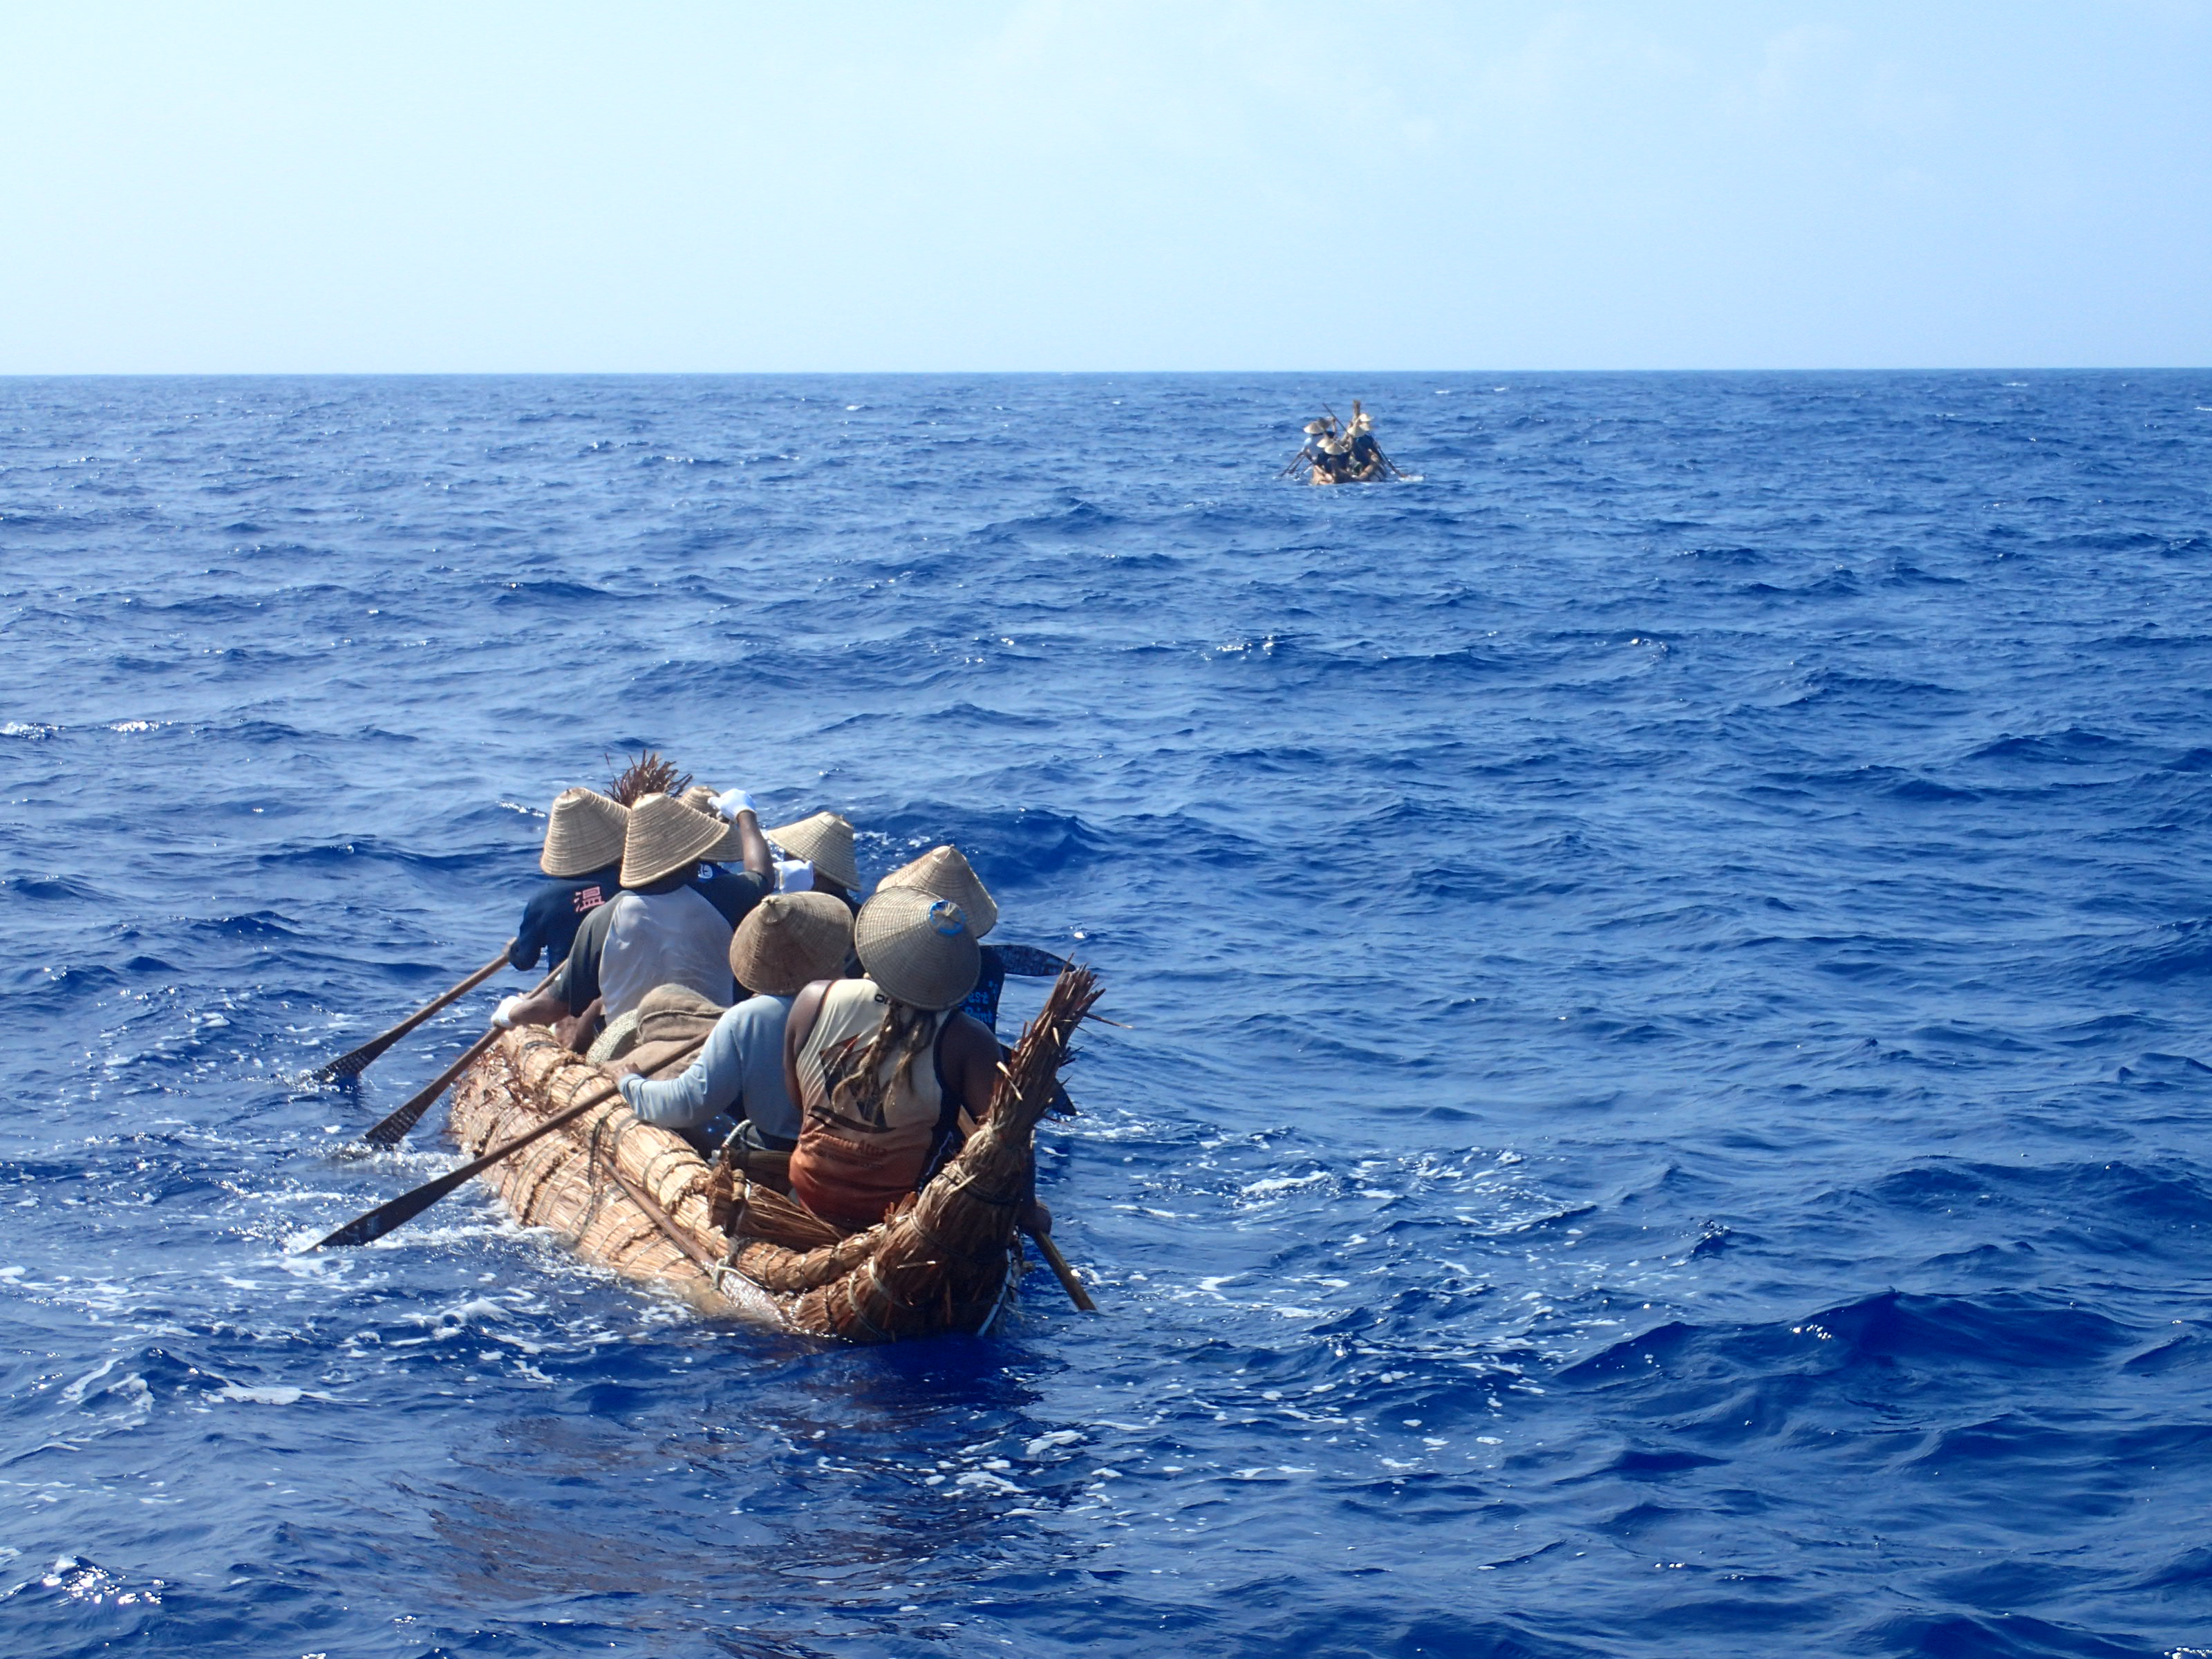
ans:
(701, 798)
(827, 839)
(664, 835)
(788, 940)
(943, 873)
(918, 948)
(583, 833)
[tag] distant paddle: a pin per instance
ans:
(356, 1061)
(391, 1217)
(389, 1131)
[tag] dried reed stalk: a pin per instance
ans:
(648, 772)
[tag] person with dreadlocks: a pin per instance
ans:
(889, 1077)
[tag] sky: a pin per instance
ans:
(472, 187)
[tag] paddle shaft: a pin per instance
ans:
(389, 1218)
(356, 1061)
(392, 1128)
(1063, 1273)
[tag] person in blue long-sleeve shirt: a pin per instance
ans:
(785, 942)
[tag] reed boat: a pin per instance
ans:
(641, 1202)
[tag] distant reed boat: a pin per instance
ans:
(640, 1202)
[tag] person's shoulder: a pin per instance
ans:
(968, 1031)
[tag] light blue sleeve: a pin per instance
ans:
(712, 1085)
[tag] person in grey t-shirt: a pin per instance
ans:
(786, 942)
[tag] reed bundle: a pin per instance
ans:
(945, 1259)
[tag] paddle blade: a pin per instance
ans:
(353, 1063)
(394, 1127)
(388, 1218)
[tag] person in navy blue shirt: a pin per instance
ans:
(583, 855)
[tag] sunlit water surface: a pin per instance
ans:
(1666, 964)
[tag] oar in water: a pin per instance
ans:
(389, 1218)
(1063, 1273)
(388, 1133)
(355, 1061)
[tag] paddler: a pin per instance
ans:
(733, 892)
(944, 872)
(583, 854)
(660, 930)
(1366, 455)
(889, 1076)
(1317, 434)
(788, 942)
(818, 857)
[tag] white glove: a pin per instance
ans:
(794, 876)
(503, 1015)
(731, 802)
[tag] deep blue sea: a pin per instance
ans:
(1665, 1103)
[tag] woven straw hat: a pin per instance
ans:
(583, 833)
(918, 948)
(943, 873)
(700, 798)
(827, 839)
(788, 940)
(664, 835)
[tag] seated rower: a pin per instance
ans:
(733, 892)
(583, 854)
(1364, 454)
(660, 930)
(820, 861)
(888, 1075)
(788, 941)
(942, 873)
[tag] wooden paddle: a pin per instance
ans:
(389, 1131)
(355, 1061)
(1063, 1273)
(388, 1218)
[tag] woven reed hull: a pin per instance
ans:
(561, 1182)
(566, 1182)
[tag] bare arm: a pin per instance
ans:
(759, 860)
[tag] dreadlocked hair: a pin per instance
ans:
(648, 772)
(900, 1040)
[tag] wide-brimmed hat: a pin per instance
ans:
(827, 839)
(945, 873)
(584, 832)
(1317, 426)
(700, 798)
(664, 835)
(918, 948)
(788, 940)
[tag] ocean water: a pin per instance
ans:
(1664, 1103)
